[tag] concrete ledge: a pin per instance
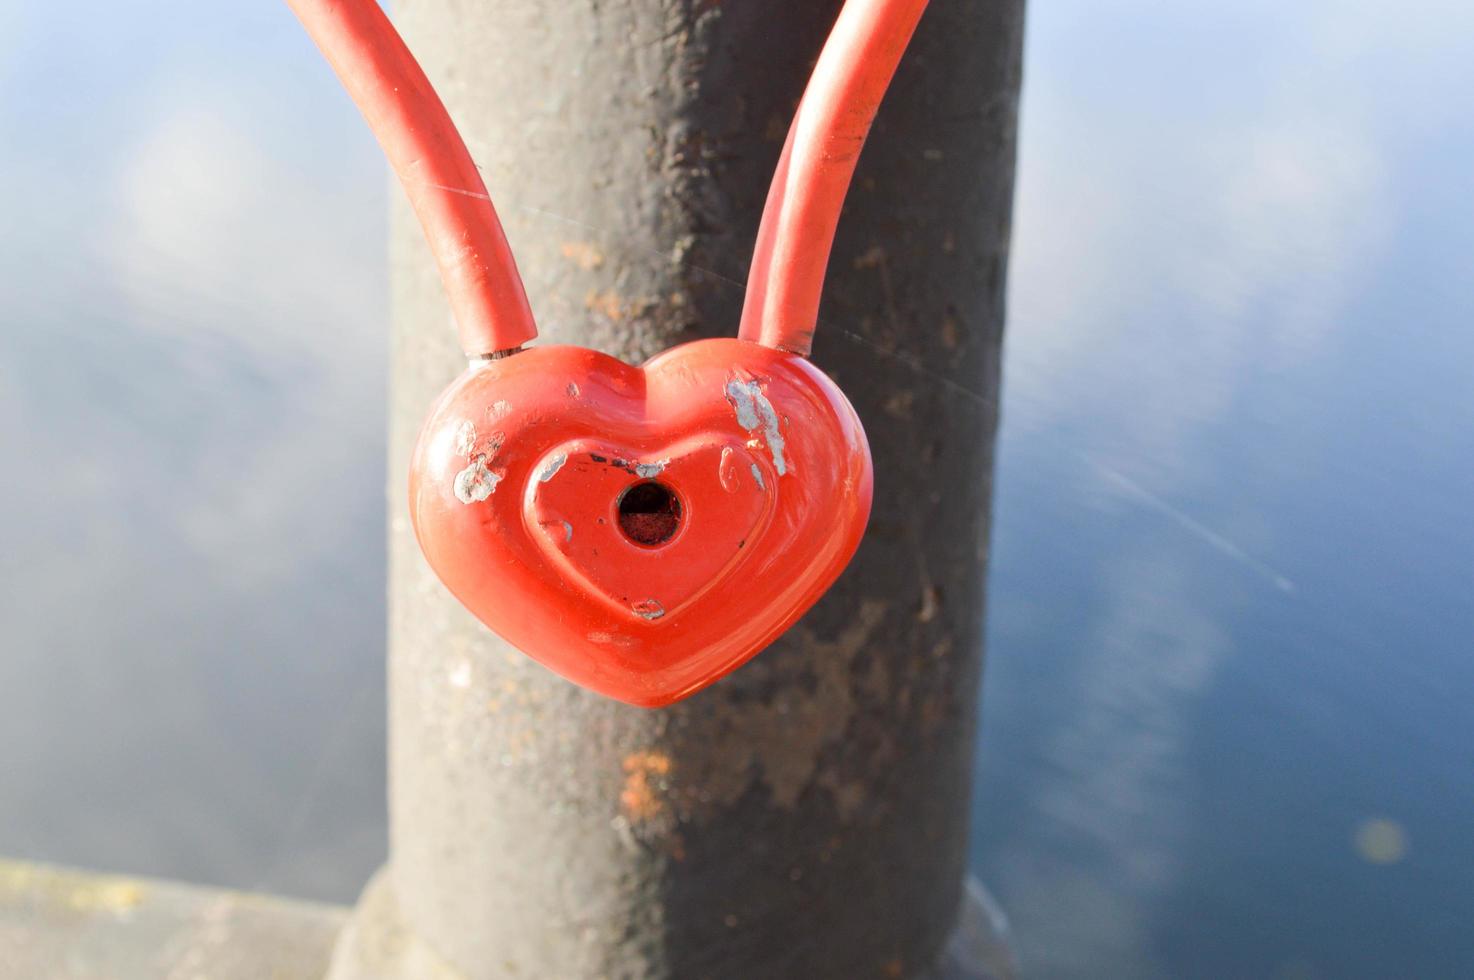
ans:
(57, 923)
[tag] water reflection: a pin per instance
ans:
(191, 364)
(1233, 496)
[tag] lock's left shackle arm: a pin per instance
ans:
(432, 162)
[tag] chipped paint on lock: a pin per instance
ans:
(476, 482)
(567, 528)
(740, 394)
(551, 469)
(613, 639)
(499, 410)
(572, 389)
(757, 475)
(465, 438)
(648, 609)
(754, 411)
(651, 470)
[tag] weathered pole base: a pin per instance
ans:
(376, 944)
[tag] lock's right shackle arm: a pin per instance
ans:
(813, 174)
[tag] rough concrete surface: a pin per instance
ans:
(57, 923)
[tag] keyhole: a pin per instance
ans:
(649, 513)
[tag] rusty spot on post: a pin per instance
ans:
(585, 255)
(643, 797)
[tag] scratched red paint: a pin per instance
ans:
(515, 488)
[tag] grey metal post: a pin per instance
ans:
(807, 817)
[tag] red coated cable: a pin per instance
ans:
(813, 174)
(432, 162)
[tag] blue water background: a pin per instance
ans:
(1227, 726)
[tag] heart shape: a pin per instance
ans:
(642, 531)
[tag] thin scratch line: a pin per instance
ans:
(1277, 578)
(478, 195)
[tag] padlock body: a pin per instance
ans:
(642, 531)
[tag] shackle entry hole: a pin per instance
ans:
(649, 513)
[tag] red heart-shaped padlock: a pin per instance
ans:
(642, 531)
